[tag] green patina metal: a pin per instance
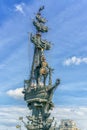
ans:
(38, 89)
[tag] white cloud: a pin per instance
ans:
(19, 8)
(78, 114)
(75, 61)
(17, 93)
(9, 115)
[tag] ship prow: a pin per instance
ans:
(40, 94)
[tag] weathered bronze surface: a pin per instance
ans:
(38, 89)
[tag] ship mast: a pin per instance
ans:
(39, 65)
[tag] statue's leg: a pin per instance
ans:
(45, 77)
(36, 78)
(39, 80)
(44, 80)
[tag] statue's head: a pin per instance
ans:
(43, 58)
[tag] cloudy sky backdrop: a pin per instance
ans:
(67, 22)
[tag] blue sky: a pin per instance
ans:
(67, 22)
